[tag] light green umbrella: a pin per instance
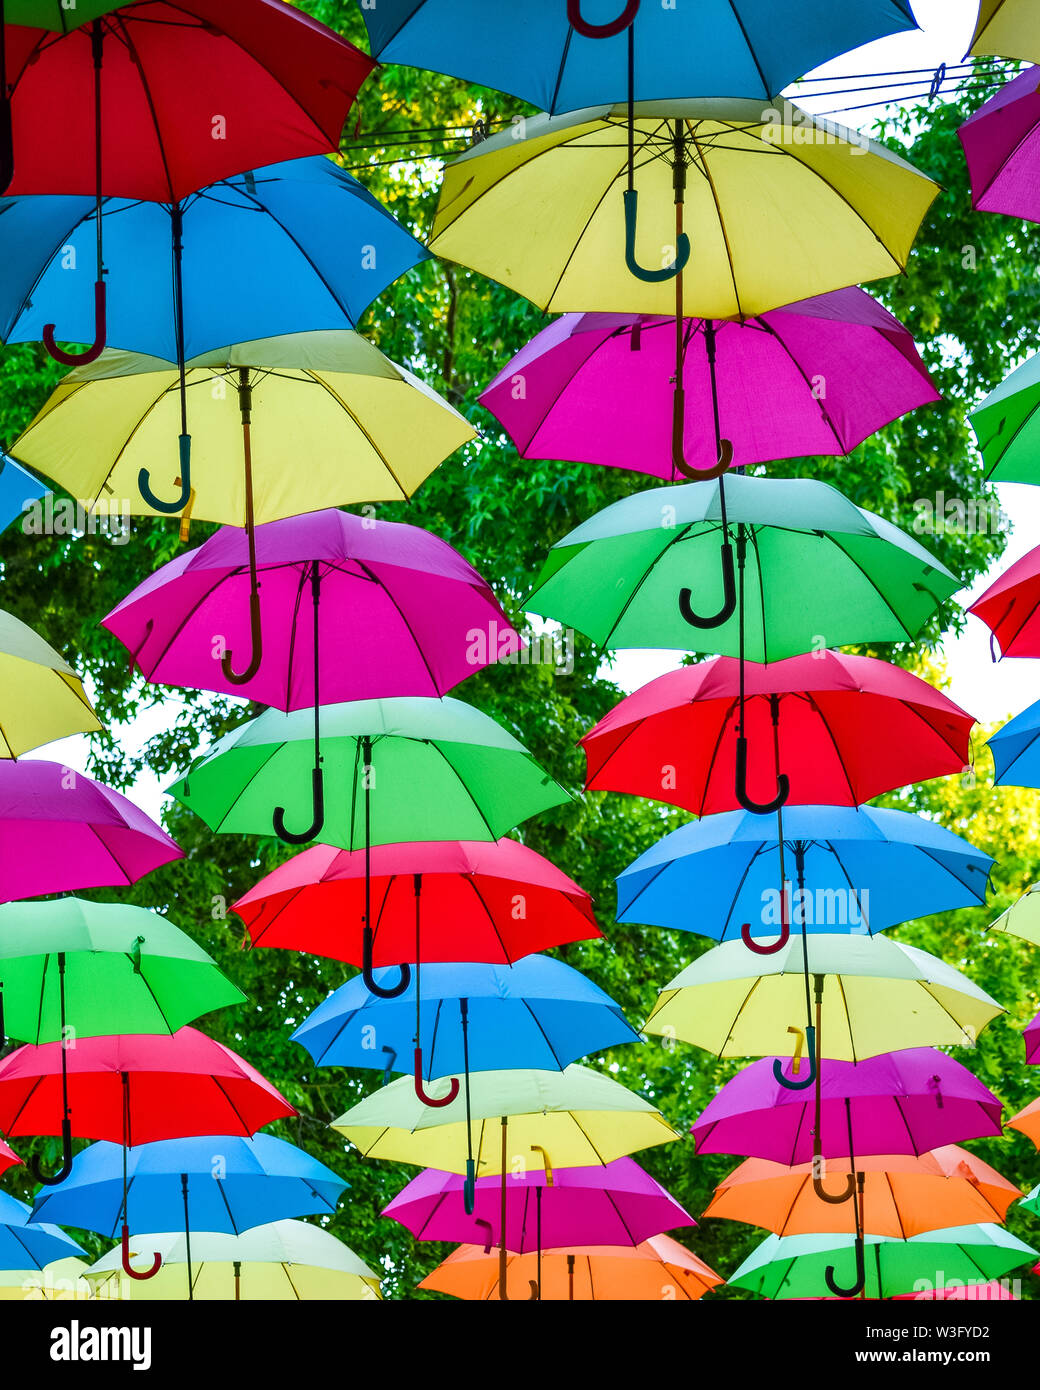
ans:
(645, 572)
(797, 1266)
(1022, 918)
(1007, 426)
(101, 968)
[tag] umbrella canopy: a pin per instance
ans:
(856, 576)
(61, 831)
(972, 1291)
(898, 1102)
(59, 1279)
(1007, 425)
(8, 1157)
(234, 1183)
(1001, 142)
(578, 1116)
(25, 1247)
(1022, 918)
(793, 1266)
(829, 707)
(1016, 754)
(278, 1261)
(857, 868)
(877, 994)
(903, 1194)
(1009, 607)
(1031, 1202)
(177, 1086)
(1027, 1122)
(717, 49)
(537, 1013)
(545, 215)
(400, 612)
(283, 83)
(1031, 1038)
(1007, 29)
(18, 491)
(598, 388)
(369, 429)
(438, 768)
(658, 1268)
(613, 1204)
(43, 697)
(495, 901)
(102, 966)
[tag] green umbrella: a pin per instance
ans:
(798, 1266)
(1031, 1202)
(816, 567)
(101, 968)
(1007, 426)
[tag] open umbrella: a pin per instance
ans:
(1016, 754)
(58, 1279)
(43, 698)
(1007, 29)
(1027, 1122)
(1022, 918)
(23, 1246)
(1007, 426)
(1001, 141)
(1009, 607)
(18, 490)
(1031, 1038)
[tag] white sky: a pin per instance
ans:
(988, 691)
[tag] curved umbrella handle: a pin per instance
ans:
(861, 1275)
(778, 1066)
(257, 653)
(434, 1102)
(770, 950)
(79, 359)
(292, 837)
(758, 808)
(600, 31)
(654, 277)
(729, 596)
(366, 970)
(835, 1199)
(490, 1233)
(698, 475)
(144, 486)
(469, 1193)
(52, 1179)
(128, 1267)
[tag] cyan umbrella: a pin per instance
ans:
(1016, 752)
(30, 1247)
(18, 488)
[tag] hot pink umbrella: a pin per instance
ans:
(1002, 145)
(60, 831)
(816, 377)
(1031, 1037)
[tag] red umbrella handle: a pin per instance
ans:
(600, 31)
(434, 1102)
(77, 359)
(128, 1267)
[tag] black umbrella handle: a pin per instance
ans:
(810, 1079)
(53, 1179)
(302, 837)
(601, 31)
(758, 808)
(729, 596)
(861, 1275)
(371, 984)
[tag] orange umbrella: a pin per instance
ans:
(659, 1268)
(1027, 1121)
(903, 1195)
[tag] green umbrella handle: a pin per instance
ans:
(682, 246)
(600, 31)
(183, 481)
(469, 1192)
(778, 1066)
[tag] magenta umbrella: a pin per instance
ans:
(1002, 146)
(899, 1102)
(60, 831)
(816, 377)
(1031, 1038)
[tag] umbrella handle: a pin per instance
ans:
(600, 31)
(490, 1233)
(52, 1179)
(655, 277)
(157, 504)
(391, 1059)
(469, 1195)
(257, 654)
(380, 991)
(778, 1066)
(861, 1275)
(434, 1102)
(758, 808)
(699, 475)
(836, 1199)
(292, 837)
(729, 596)
(128, 1267)
(770, 950)
(79, 359)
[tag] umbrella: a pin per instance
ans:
(1001, 141)
(901, 1195)
(658, 1268)
(59, 1279)
(1031, 1202)
(1006, 29)
(495, 901)
(826, 709)
(600, 388)
(399, 613)
(25, 1247)
(562, 57)
(280, 1260)
(1027, 1122)
(1009, 607)
(798, 1266)
(1022, 918)
(43, 697)
(972, 1291)
(18, 490)
(1007, 427)
(60, 830)
(899, 1102)
(1016, 756)
(8, 1157)
(1031, 1038)
(616, 1203)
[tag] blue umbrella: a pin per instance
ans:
(17, 488)
(30, 1247)
(1016, 751)
(858, 869)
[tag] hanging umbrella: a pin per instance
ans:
(1006, 29)
(902, 1195)
(43, 697)
(1031, 1038)
(1007, 427)
(58, 1279)
(796, 1266)
(61, 831)
(611, 1204)
(280, 1260)
(1022, 918)
(1016, 756)
(1031, 1202)
(495, 901)
(24, 1247)
(1001, 141)
(1009, 608)
(825, 709)
(899, 1102)
(658, 1268)
(18, 490)
(8, 1157)
(598, 388)
(1027, 1122)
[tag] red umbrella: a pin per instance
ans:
(8, 1157)
(1009, 608)
(818, 716)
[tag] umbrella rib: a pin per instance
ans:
(263, 208)
(135, 58)
(235, 1110)
(725, 723)
(471, 880)
(756, 981)
(815, 705)
(686, 531)
(895, 1206)
(701, 151)
(458, 777)
(926, 986)
(276, 748)
(802, 373)
(751, 49)
(561, 1064)
(154, 998)
(227, 1207)
(385, 587)
(911, 1138)
(745, 874)
(840, 981)
(320, 380)
(873, 584)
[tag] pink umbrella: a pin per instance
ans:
(816, 377)
(1031, 1037)
(1002, 145)
(60, 831)
(981, 1292)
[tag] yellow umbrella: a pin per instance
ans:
(43, 698)
(776, 207)
(1022, 918)
(58, 1281)
(1007, 29)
